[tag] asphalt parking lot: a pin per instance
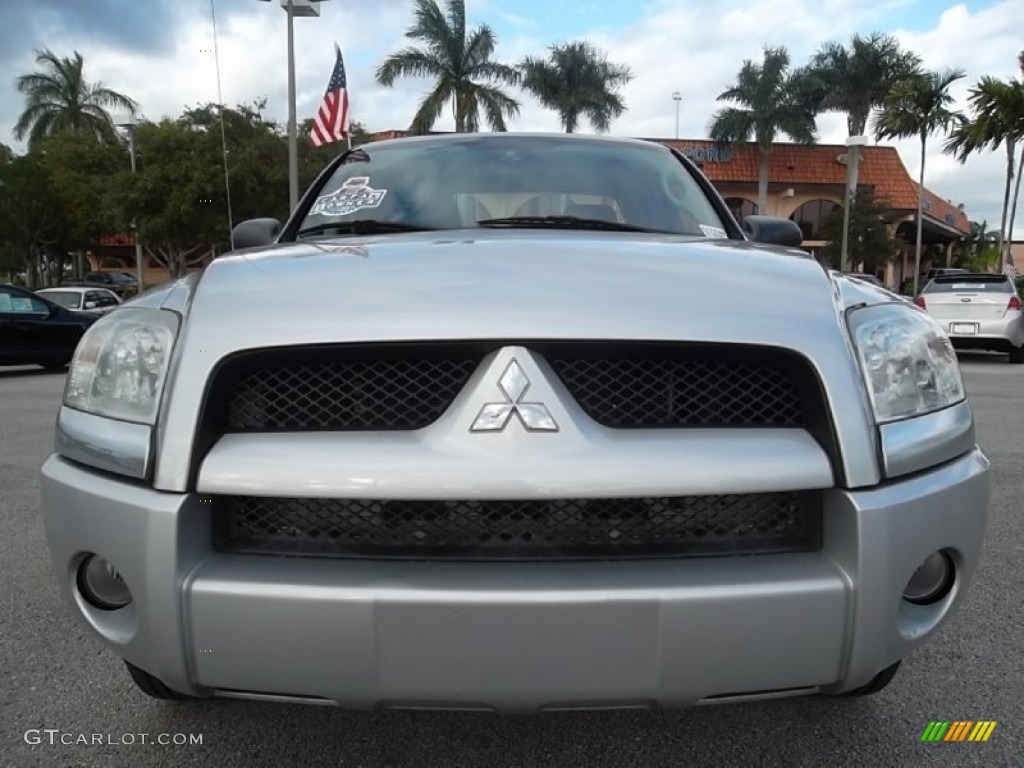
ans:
(54, 676)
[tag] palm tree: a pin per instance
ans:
(771, 101)
(857, 79)
(59, 98)
(577, 80)
(998, 108)
(919, 107)
(460, 61)
(1016, 188)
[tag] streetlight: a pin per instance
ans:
(852, 167)
(129, 122)
(302, 9)
(677, 97)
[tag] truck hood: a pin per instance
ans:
(509, 284)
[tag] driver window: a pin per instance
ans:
(20, 304)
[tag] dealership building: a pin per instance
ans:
(805, 183)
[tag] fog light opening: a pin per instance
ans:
(932, 580)
(101, 585)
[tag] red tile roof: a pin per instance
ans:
(880, 167)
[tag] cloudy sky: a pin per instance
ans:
(157, 52)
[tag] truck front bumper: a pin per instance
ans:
(517, 637)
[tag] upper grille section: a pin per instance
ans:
(351, 387)
(688, 389)
(357, 394)
(407, 386)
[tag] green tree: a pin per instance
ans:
(858, 78)
(871, 243)
(81, 171)
(59, 98)
(176, 195)
(919, 107)
(32, 228)
(973, 252)
(998, 118)
(459, 60)
(577, 80)
(771, 100)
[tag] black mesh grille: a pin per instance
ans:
(520, 530)
(694, 390)
(347, 394)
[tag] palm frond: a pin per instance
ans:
(430, 108)
(731, 126)
(497, 106)
(411, 62)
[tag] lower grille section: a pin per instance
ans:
(534, 529)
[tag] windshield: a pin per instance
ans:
(969, 284)
(456, 183)
(67, 299)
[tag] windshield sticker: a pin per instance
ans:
(716, 232)
(355, 194)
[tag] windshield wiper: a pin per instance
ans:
(362, 227)
(563, 222)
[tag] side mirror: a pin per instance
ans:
(253, 233)
(773, 231)
(90, 305)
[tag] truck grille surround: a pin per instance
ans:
(620, 385)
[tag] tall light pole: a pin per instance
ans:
(852, 168)
(294, 9)
(677, 97)
(128, 123)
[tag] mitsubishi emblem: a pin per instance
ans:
(494, 417)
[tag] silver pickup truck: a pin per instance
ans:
(520, 423)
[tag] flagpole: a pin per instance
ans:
(293, 148)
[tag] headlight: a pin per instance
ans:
(908, 362)
(119, 367)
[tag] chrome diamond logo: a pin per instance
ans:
(494, 417)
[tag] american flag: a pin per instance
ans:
(331, 121)
(1010, 270)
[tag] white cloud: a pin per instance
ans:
(694, 47)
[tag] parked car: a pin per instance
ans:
(36, 331)
(117, 282)
(978, 311)
(940, 271)
(519, 447)
(96, 301)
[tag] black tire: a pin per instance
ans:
(877, 683)
(1017, 355)
(150, 686)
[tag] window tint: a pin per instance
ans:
(454, 183)
(67, 299)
